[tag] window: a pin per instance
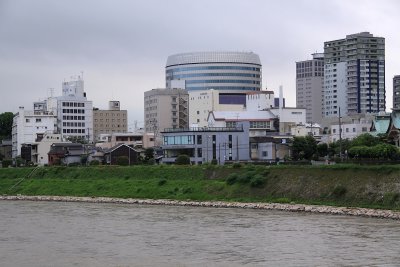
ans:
(27, 120)
(265, 154)
(199, 139)
(38, 120)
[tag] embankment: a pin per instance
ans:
(376, 187)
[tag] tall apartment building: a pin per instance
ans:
(354, 78)
(165, 108)
(396, 92)
(309, 87)
(113, 120)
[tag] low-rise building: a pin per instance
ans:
(65, 153)
(137, 140)
(28, 125)
(204, 144)
(122, 150)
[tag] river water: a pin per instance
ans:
(92, 234)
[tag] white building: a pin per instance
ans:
(74, 111)
(29, 125)
(203, 102)
(41, 148)
(307, 129)
(289, 117)
(351, 128)
(261, 122)
(260, 100)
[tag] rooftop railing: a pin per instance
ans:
(204, 129)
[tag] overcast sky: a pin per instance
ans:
(122, 46)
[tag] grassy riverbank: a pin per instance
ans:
(338, 185)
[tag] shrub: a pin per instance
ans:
(236, 165)
(257, 181)
(73, 164)
(5, 163)
(94, 163)
(183, 160)
(123, 161)
(246, 177)
(232, 178)
(214, 162)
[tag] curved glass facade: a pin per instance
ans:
(215, 70)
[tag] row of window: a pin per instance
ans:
(36, 120)
(212, 68)
(74, 124)
(183, 76)
(222, 81)
(73, 130)
(74, 118)
(76, 111)
(73, 104)
(179, 140)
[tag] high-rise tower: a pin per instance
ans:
(354, 77)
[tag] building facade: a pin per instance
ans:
(74, 111)
(204, 145)
(238, 71)
(354, 75)
(113, 120)
(28, 126)
(396, 92)
(165, 108)
(309, 87)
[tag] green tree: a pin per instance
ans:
(6, 121)
(322, 149)
(365, 139)
(304, 147)
(182, 160)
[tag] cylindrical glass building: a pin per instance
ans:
(237, 71)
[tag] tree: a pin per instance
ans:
(365, 139)
(304, 147)
(182, 160)
(322, 149)
(6, 121)
(149, 153)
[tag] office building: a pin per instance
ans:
(309, 87)
(354, 75)
(237, 71)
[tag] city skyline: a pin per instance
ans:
(122, 48)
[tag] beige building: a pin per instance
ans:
(113, 120)
(309, 87)
(165, 108)
(137, 140)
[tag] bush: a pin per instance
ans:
(183, 160)
(236, 165)
(5, 163)
(232, 178)
(94, 163)
(257, 181)
(123, 161)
